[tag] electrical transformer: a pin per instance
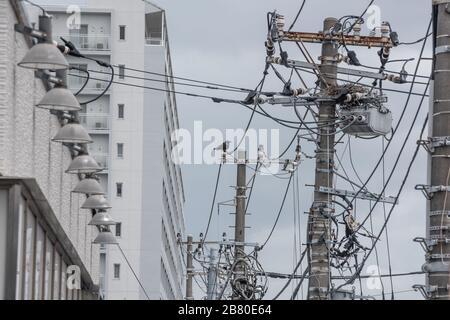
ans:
(366, 121)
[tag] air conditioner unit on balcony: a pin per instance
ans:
(99, 85)
(100, 46)
(98, 125)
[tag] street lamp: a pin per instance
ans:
(83, 164)
(60, 98)
(96, 202)
(72, 133)
(44, 55)
(89, 186)
(102, 218)
(105, 237)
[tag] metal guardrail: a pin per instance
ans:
(154, 39)
(102, 159)
(76, 83)
(89, 42)
(95, 121)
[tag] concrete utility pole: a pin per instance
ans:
(438, 215)
(189, 268)
(239, 226)
(318, 222)
(211, 292)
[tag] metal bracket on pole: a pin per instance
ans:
(438, 2)
(365, 195)
(345, 71)
(442, 49)
(432, 143)
(23, 29)
(429, 191)
(439, 228)
(439, 213)
(322, 208)
(439, 256)
(426, 291)
(426, 244)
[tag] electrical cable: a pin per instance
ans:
(397, 160)
(295, 293)
(297, 16)
(362, 84)
(44, 12)
(388, 247)
(111, 81)
(212, 204)
(279, 214)
(360, 267)
(85, 82)
(399, 121)
(153, 88)
(362, 15)
(251, 188)
(134, 273)
(291, 276)
(415, 42)
(258, 88)
(185, 79)
(179, 83)
(377, 258)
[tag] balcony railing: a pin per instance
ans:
(89, 42)
(95, 121)
(102, 159)
(154, 39)
(77, 80)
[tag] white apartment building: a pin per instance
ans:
(43, 231)
(131, 129)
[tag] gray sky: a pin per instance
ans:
(222, 41)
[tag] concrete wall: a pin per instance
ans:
(3, 224)
(26, 149)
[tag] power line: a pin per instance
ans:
(132, 270)
(260, 86)
(212, 204)
(179, 83)
(184, 79)
(291, 276)
(298, 15)
(358, 271)
(362, 15)
(416, 41)
(279, 213)
(398, 123)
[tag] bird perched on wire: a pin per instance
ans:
(224, 148)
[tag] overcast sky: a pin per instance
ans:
(223, 42)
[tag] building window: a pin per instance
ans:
(118, 229)
(121, 71)
(122, 32)
(116, 271)
(119, 186)
(121, 111)
(120, 150)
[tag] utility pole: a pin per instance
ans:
(319, 222)
(189, 268)
(211, 292)
(239, 226)
(438, 215)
